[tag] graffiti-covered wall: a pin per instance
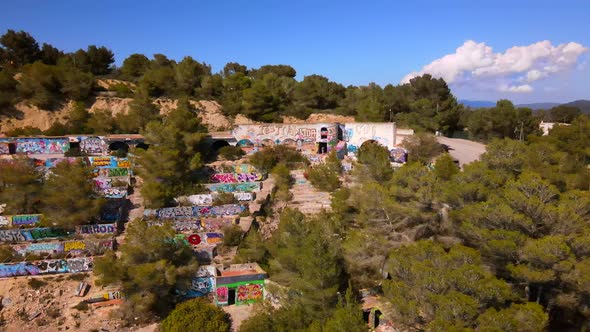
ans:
(72, 247)
(49, 266)
(97, 229)
(304, 137)
(235, 187)
(203, 224)
(20, 220)
(183, 212)
(93, 145)
(42, 145)
(207, 199)
(4, 148)
(355, 134)
(32, 234)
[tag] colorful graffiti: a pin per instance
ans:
(97, 229)
(93, 145)
(183, 212)
(236, 168)
(222, 295)
(235, 177)
(108, 162)
(4, 148)
(42, 145)
(20, 220)
(398, 155)
(52, 162)
(215, 224)
(196, 239)
(355, 134)
(207, 199)
(116, 295)
(179, 226)
(72, 265)
(31, 234)
(235, 187)
(249, 293)
(75, 247)
(119, 192)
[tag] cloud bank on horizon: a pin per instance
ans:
(513, 71)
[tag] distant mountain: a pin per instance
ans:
(477, 103)
(539, 106)
(583, 105)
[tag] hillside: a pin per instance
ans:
(583, 105)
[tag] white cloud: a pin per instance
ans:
(516, 88)
(511, 71)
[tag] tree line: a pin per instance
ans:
(46, 77)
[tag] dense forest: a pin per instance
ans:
(500, 245)
(46, 77)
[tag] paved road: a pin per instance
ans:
(463, 150)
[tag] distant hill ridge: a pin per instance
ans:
(582, 104)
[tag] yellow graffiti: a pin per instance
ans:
(123, 164)
(74, 245)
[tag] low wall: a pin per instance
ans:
(234, 187)
(184, 212)
(49, 266)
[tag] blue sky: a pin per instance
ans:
(351, 42)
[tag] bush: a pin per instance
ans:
(122, 90)
(231, 152)
(197, 315)
(232, 235)
(224, 198)
(265, 160)
(82, 306)
(283, 181)
(323, 178)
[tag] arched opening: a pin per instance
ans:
(369, 142)
(244, 143)
(142, 145)
(289, 142)
(118, 145)
(219, 144)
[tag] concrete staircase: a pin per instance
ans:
(305, 197)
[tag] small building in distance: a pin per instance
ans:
(547, 126)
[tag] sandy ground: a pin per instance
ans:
(463, 150)
(51, 306)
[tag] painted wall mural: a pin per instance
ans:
(236, 177)
(222, 294)
(72, 247)
(20, 220)
(31, 234)
(249, 293)
(235, 168)
(235, 187)
(184, 212)
(49, 266)
(4, 148)
(108, 162)
(398, 155)
(355, 134)
(207, 199)
(42, 145)
(303, 137)
(97, 229)
(117, 192)
(93, 145)
(196, 239)
(179, 225)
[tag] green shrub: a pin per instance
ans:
(265, 160)
(122, 90)
(232, 235)
(323, 178)
(196, 315)
(224, 198)
(231, 152)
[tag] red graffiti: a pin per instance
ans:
(194, 239)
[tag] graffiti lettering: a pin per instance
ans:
(4, 148)
(119, 192)
(25, 219)
(92, 145)
(245, 196)
(42, 145)
(97, 229)
(113, 172)
(46, 266)
(74, 245)
(23, 235)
